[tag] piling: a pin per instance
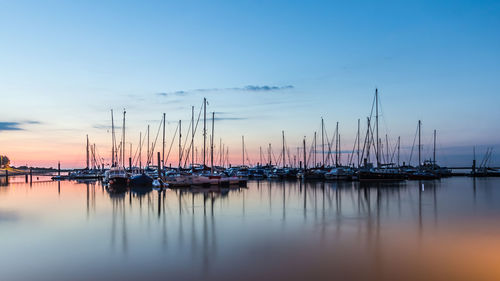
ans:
(31, 175)
(7, 176)
(130, 164)
(474, 167)
(59, 169)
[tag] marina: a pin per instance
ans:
(250, 140)
(353, 230)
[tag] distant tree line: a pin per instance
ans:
(4, 161)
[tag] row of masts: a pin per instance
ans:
(360, 153)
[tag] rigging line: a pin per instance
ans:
(185, 142)
(171, 143)
(142, 144)
(154, 144)
(412, 146)
(330, 145)
(195, 130)
(353, 148)
(394, 152)
(365, 146)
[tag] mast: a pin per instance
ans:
(243, 149)
(337, 144)
(212, 146)
(419, 143)
(368, 139)
(434, 150)
(323, 141)
(386, 149)
(112, 140)
(358, 141)
(163, 143)
(192, 137)
(140, 151)
(123, 141)
(87, 152)
(204, 129)
(180, 145)
(305, 159)
(340, 155)
(376, 123)
(147, 160)
(269, 155)
(283, 134)
(399, 145)
(314, 150)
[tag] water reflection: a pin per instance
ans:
(225, 233)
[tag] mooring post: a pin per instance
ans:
(474, 167)
(130, 164)
(7, 176)
(31, 175)
(59, 168)
(26, 178)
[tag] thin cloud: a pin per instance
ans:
(16, 126)
(248, 88)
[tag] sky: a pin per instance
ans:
(264, 67)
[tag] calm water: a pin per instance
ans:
(428, 230)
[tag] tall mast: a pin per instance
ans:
(368, 143)
(192, 137)
(337, 144)
(399, 145)
(163, 143)
(314, 150)
(386, 149)
(358, 141)
(212, 146)
(123, 141)
(376, 123)
(87, 152)
(140, 151)
(283, 134)
(112, 140)
(340, 155)
(180, 145)
(243, 149)
(220, 151)
(269, 155)
(147, 160)
(304, 148)
(419, 144)
(323, 141)
(434, 152)
(204, 128)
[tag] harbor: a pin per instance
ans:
(385, 230)
(249, 140)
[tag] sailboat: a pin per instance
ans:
(140, 178)
(117, 176)
(381, 171)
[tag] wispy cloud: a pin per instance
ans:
(105, 127)
(16, 126)
(248, 88)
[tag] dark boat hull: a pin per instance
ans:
(141, 180)
(118, 181)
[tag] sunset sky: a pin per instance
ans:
(264, 67)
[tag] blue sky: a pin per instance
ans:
(66, 63)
